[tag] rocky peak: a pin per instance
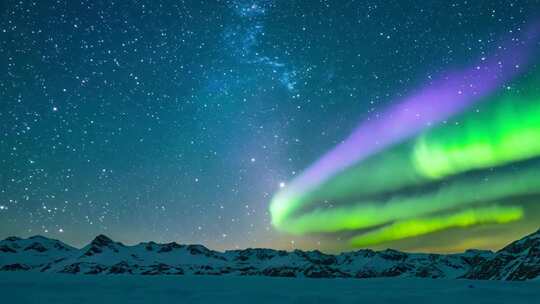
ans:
(167, 247)
(12, 239)
(316, 257)
(531, 241)
(518, 261)
(102, 241)
(257, 253)
(39, 238)
(393, 255)
(35, 246)
(197, 249)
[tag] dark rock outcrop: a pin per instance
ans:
(15, 267)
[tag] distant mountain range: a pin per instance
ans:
(518, 261)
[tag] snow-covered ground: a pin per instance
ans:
(28, 287)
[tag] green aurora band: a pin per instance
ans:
(507, 131)
(454, 167)
(414, 227)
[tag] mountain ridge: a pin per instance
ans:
(518, 261)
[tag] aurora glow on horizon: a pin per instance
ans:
(443, 157)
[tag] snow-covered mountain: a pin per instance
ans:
(518, 261)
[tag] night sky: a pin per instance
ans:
(181, 120)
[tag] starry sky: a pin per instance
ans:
(184, 120)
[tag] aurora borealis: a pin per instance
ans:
(419, 226)
(328, 125)
(417, 167)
